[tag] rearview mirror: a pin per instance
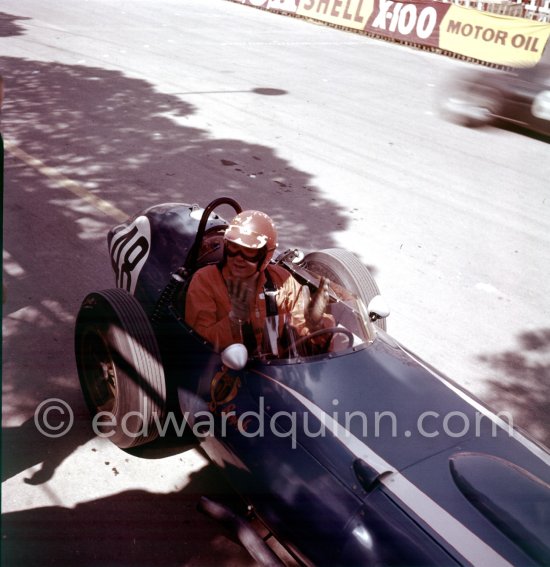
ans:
(235, 356)
(378, 308)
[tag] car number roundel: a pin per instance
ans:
(129, 251)
(541, 105)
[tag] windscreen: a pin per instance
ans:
(345, 326)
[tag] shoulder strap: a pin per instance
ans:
(270, 291)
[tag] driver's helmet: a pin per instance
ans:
(255, 230)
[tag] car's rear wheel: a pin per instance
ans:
(343, 268)
(120, 368)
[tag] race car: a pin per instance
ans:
(519, 97)
(358, 454)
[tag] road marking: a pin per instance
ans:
(62, 181)
(488, 288)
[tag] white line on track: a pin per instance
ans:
(62, 181)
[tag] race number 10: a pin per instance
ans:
(129, 251)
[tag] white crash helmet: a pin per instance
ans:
(254, 230)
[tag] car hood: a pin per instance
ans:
(397, 429)
(387, 403)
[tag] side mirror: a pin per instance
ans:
(378, 308)
(235, 356)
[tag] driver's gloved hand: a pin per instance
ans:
(317, 306)
(241, 294)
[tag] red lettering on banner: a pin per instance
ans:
(347, 15)
(501, 37)
(528, 43)
(336, 9)
(323, 3)
(490, 35)
(358, 17)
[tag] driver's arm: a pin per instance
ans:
(295, 300)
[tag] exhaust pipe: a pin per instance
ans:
(250, 540)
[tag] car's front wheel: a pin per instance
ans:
(344, 268)
(120, 368)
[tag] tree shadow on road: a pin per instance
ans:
(134, 146)
(131, 529)
(522, 382)
(122, 140)
(25, 446)
(9, 26)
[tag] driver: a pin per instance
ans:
(232, 301)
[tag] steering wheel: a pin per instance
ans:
(328, 331)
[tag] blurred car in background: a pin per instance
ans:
(484, 97)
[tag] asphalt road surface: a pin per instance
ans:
(110, 107)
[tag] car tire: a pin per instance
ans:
(344, 268)
(120, 369)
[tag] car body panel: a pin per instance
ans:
(311, 467)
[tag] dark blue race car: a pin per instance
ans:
(358, 455)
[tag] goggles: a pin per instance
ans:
(248, 254)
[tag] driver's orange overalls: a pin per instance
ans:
(207, 305)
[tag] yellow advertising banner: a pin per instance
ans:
(494, 38)
(347, 13)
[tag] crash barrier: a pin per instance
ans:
(538, 10)
(445, 27)
(515, 9)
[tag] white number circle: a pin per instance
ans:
(541, 105)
